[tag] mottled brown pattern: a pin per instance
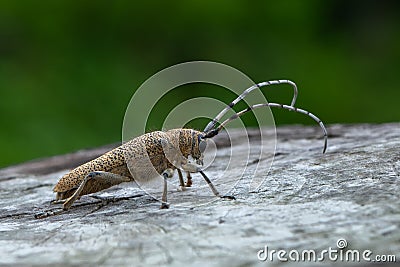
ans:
(133, 159)
(110, 160)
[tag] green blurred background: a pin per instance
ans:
(69, 68)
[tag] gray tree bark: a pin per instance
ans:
(306, 201)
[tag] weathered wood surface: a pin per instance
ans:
(307, 201)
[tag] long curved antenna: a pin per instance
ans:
(215, 131)
(212, 123)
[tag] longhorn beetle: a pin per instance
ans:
(166, 151)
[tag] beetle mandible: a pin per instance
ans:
(166, 151)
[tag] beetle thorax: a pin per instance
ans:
(187, 140)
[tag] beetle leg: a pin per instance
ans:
(168, 173)
(182, 184)
(189, 179)
(59, 198)
(190, 167)
(181, 181)
(58, 201)
(213, 189)
(101, 181)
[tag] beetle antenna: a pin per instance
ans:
(212, 123)
(216, 130)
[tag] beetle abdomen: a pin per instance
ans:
(107, 162)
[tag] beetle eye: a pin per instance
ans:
(202, 146)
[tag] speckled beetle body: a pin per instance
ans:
(114, 167)
(166, 152)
